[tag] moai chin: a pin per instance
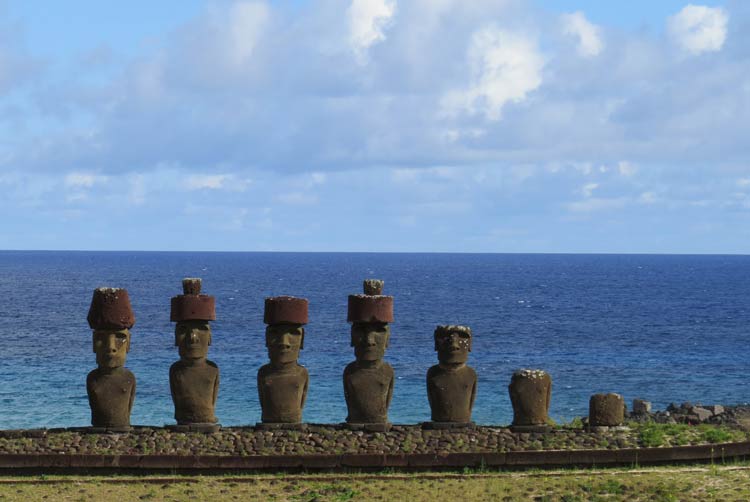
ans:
(193, 380)
(368, 381)
(111, 386)
(451, 384)
(282, 383)
(530, 393)
(606, 410)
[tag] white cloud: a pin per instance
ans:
(588, 189)
(743, 182)
(246, 23)
(367, 22)
(505, 67)
(647, 198)
(298, 198)
(82, 180)
(699, 29)
(626, 168)
(589, 35)
(597, 204)
(215, 182)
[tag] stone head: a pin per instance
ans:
(453, 344)
(192, 339)
(370, 339)
(284, 341)
(111, 347)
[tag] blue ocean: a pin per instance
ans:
(662, 328)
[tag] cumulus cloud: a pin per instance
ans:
(588, 35)
(698, 29)
(215, 182)
(368, 20)
(82, 180)
(505, 67)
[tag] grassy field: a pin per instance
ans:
(721, 483)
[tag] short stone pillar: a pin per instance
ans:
(451, 384)
(606, 410)
(530, 393)
(368, 381)
(111, 386)
(193, 380)
(282, 383)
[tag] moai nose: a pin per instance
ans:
(193, 337)
(370, 339)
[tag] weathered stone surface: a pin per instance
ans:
(451, 384)
(191, 305)
(530, 393)
(641, 406)
(368, 381)
(110, 310)
(283, 383)
(111, 387)
(194, 380)
(715, 409)
(702, 413)
(606, 410)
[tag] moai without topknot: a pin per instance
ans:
(451, 384)
(111, 386)
(606, 410)
(530, 393)
(368, 381)
(193, 380)
(282, 383)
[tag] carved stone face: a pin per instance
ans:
(192, 338)
(453, 347)
(111, 347)
(284, 341)
(370, 340)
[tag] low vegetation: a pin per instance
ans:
(725, 483)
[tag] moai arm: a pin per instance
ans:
(304, 390)
(260, 390)
(549, 395)
(390, 391)
(430, 397)
(132, 399)
(473, 394)
(216, 389)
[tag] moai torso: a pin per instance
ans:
(451, 393)
(368, 390)
(368, 381)
(111, 386)
(195, 388)
(111, 395)
(282, 393)
(451, 385)
(530, 393)
(193, 380)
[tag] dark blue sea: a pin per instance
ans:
(663, 328)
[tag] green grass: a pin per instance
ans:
(663, 484)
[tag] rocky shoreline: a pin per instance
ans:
(674, 427)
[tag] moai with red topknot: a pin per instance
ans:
(283, 382)
(451, 384)
(111, 386)
(193, 380)
(368, 381)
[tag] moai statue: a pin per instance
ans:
(111, 386)
(282, 383)
(368, 381)
(530, 393)
(451, 384)
(193, 380)
(606, 410)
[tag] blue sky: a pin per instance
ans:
(376, 125)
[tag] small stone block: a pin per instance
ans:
(542, 429)
(716, 409)
(368, 427)
(641, 406)
(280, 426)
(448, 425)
(702, 413)
(106, 430)
(205, 428)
